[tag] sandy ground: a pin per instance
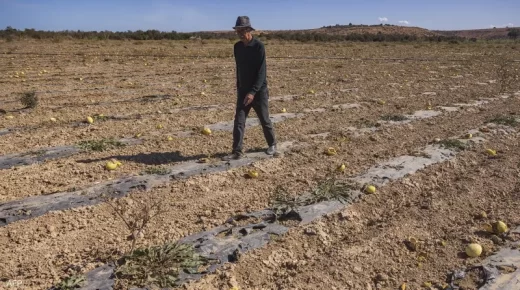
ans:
(41, 251)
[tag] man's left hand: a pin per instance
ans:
(248, 99)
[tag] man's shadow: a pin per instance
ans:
(160, 158)
(155, 158)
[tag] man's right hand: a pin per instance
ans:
(248, 99)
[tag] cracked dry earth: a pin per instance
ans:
(349, 250)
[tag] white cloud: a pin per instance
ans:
(510, 25)
(383, 19)
(405, 22)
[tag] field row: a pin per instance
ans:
(417, 130)
(68, 227)
(92, 163)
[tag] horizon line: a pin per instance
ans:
(260, 30)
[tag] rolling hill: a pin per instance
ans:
(492, 33)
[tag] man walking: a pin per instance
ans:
(252, 91)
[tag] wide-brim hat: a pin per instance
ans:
(243, 22)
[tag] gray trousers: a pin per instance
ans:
(261, 106)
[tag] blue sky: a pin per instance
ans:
(196, 15)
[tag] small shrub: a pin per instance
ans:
(70, 283)
(364, 123)
(157, 170)
(100, 145)
(454, 144)
(330, 189)
(136, 213)
(395, 118)
(506, 120)
(160, 265)
(29, 100)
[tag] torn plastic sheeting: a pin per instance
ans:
(35, 206)
(265, 215)
(474, 104)
(403, 165)
(187, 169)
(417, 115)
(347, 106)
(423, 114)
(222, 249)
(39, 155)
(502, 280)
(490, 270)
(316, 110)
(486, 274)
(309, 213)
(449, 109)
(100, 278)
(236, 240)
(13, 160)
(225, 242)
(4, 131)
(240, 239)
(283, 98)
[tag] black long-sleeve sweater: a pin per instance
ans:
(251, 70)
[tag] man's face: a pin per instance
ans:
(242, 33)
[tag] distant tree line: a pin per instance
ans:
(361, 37)
(11, 34)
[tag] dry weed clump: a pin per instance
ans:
(29, 100)
(508, 120)
(71, 282)
(151, 266)
(136, 215)
(100, 145)
(282, 203)
(454, 144)
(159, 265)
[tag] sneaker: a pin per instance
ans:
(271, 150)
(233, 156)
